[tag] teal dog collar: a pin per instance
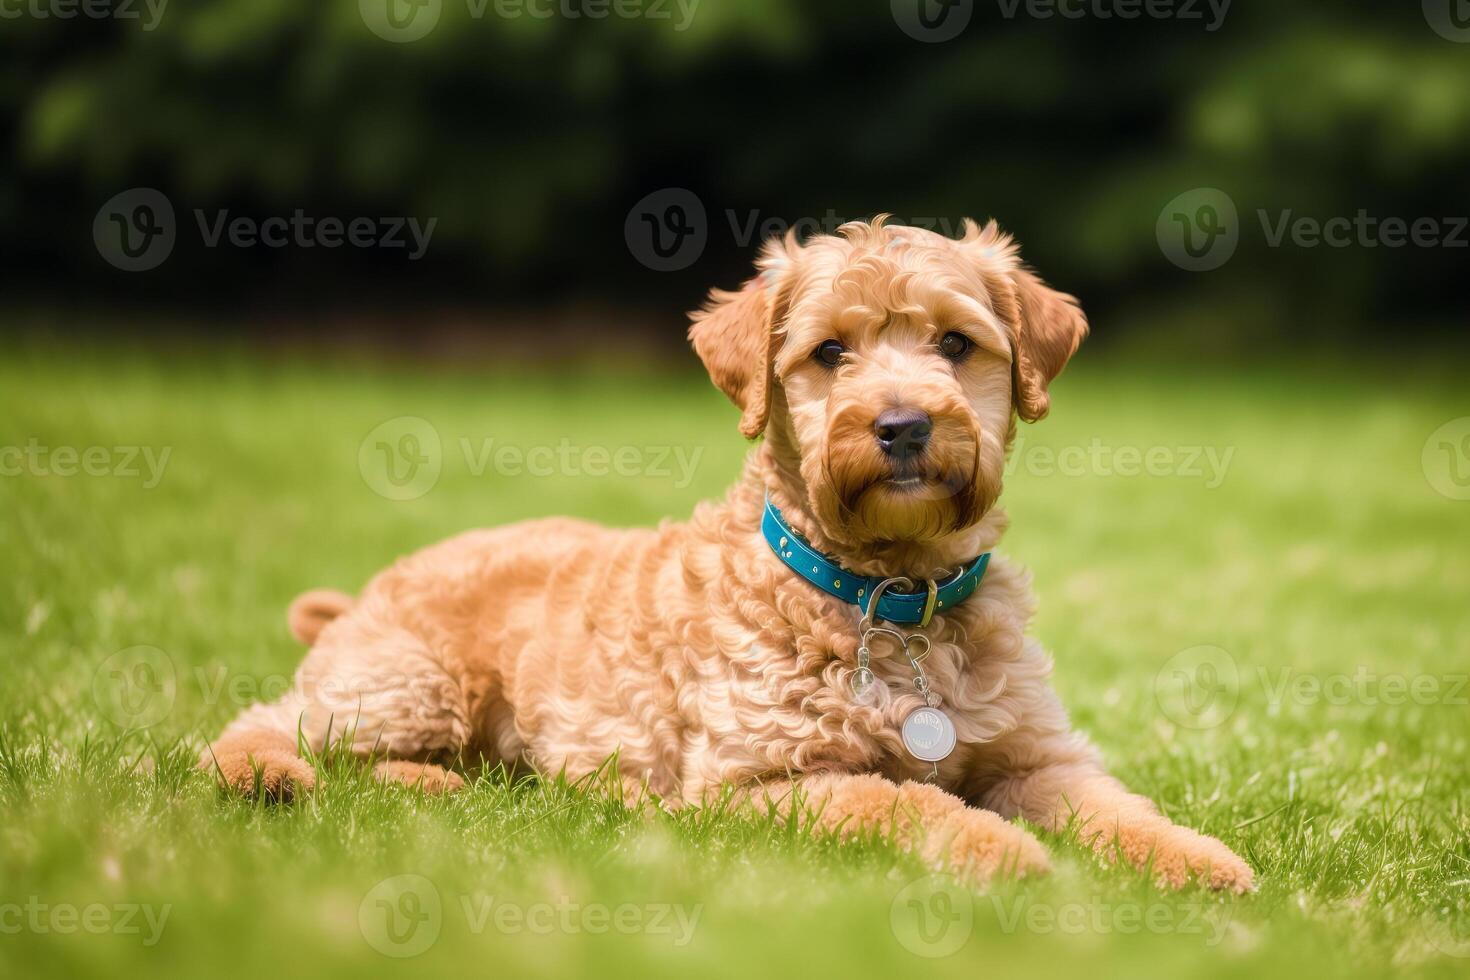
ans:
(913, 608)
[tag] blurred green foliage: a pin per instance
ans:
(530, 138)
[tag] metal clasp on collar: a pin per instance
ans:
(927, 732)
(931, 598)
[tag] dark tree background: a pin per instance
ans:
(531, 139)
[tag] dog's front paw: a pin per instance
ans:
(1182, 857)
(985, 847)
(424, 776)
(265, 766)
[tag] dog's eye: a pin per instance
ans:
(829, 352)
(954, 345)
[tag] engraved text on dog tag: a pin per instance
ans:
(928, 734)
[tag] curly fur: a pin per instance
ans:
(693, 654)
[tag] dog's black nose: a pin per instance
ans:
(903, 432)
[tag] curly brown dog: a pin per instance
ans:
(886, 368)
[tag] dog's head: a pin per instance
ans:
(884, 366)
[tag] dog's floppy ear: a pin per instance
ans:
(736, 337)
(1046, 325)
(1049, 327)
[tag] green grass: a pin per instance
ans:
(1324, 555)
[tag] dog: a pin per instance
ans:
(886, 368)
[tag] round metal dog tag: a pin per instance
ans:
(928, 734)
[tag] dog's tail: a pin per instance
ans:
(311, 611)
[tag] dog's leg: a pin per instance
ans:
(424, 776)
(1114, 822)
(368, 686)
(258, 761)
(975, 844)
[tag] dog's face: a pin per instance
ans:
(885, 365)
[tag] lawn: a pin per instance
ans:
(1256, 596)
